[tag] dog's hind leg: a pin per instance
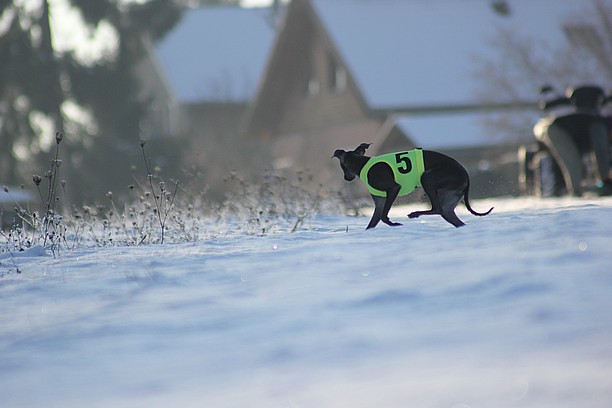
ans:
(417, 214)
(431, 190)
(443, 200)
(448, 201)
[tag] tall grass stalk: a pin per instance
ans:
(50, 221)
(164, 199)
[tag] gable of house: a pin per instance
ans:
(306, 85)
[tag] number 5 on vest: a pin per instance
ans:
(405, 165)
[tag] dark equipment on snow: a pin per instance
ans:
(572, 153)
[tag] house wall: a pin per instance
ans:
(312, 150)
(215, 147)
(317, 100)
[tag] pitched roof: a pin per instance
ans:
(217, 53)
(425, 53)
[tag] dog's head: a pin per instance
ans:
(345, 160)
(341, 155)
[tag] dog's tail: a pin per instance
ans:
(466, 200)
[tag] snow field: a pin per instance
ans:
(511, 310)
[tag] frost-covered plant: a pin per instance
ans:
(47, 227)
(163, 198)
(151, 217)
(278, 201)
(154, 211)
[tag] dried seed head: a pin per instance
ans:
(142, 143)
(58, 137)
(36, 179)
(109, 195)
(5, 188)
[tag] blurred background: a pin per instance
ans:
(222, 86)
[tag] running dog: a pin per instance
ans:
(444, 180)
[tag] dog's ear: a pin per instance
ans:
(361, 149)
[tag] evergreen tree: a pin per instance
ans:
(40, 83)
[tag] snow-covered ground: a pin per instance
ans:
(512, 310)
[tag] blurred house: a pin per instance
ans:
(200, 79)
(396, 73)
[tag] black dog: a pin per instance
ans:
(444, 180)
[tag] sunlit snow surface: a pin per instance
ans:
(513, 310)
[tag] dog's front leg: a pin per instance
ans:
(379, 205)
(382, 205)
(389, 200)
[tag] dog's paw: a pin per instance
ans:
(391, 223)
(413, 215)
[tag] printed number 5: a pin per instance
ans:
(405, 165)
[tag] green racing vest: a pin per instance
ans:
(407, 166)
